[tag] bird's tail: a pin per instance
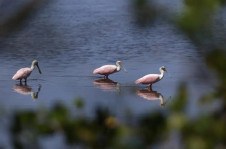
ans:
(95, 71)
(14, 77)
(137, 81)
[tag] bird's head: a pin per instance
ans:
(120, 64)
(163, 68)
(35, 63)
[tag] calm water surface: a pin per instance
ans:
(71, 38)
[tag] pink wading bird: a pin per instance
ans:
(24, 73)
(151, 78)
(106, 70)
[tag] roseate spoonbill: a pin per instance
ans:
(107, 84)
(106, 70)
(151, 95)
(151, 78)
(24, 73)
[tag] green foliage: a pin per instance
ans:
(181, 98)
(196, 18)
(205, 132)
(202, 5)
(152, 127)
(216, 60)
(79, 103)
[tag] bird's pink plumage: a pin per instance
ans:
(22, 73)
(148, 79)
(105, 70)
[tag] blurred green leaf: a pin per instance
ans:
(179, 103)
(79, 103)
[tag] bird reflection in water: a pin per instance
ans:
(107, 84)
(151, 95)
(25, 89)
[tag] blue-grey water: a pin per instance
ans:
(71, 38)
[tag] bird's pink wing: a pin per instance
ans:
(148, 79)
(22, 73)
(106, 69)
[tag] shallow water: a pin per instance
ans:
(71, 38)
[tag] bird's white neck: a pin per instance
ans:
(32, 66)
(161, 74)
(118, 67)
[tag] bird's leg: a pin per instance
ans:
(20, 81)
(25, 81)
(106, 76)
(150, 87)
